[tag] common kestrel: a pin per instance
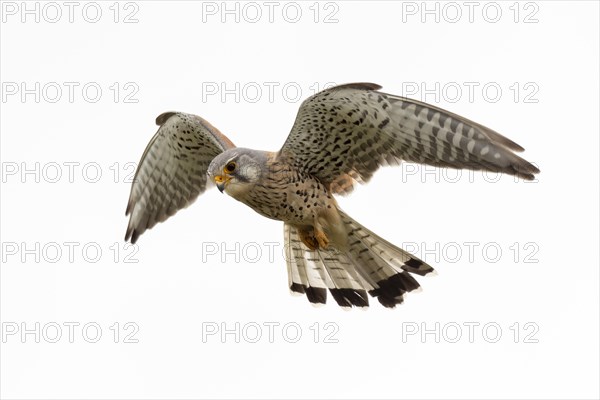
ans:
(341, 136)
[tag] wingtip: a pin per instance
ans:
(131, 235)
(526, 170)
(135, 236)
(527, 177)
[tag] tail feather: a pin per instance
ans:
(313, 272)
(297, 279)
(347, 289)
(303, 278)
(388, 264)
(389, 285)
(369, 264)
(391, 254)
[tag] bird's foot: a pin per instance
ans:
(322, 239)
(314, 239)
(308, 239)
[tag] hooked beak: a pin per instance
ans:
(221, 182)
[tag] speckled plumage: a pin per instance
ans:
(341, 136)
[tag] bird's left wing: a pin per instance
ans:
(172, 171)
(344, 134)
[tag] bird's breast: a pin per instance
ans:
(288, 195)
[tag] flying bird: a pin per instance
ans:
(340, 137)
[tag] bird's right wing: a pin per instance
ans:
(172, 171)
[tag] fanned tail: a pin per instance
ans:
(369, 264)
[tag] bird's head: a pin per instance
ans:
(237, 170)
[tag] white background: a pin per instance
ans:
(170, 56)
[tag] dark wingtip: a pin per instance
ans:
(128, 234)
(526, 170)
(518, 148)
(135, 236)
(527, 177)
(131, 235)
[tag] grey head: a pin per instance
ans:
(237, 170)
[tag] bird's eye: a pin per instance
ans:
(230, 167)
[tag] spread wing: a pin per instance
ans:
(172, 171)
(342, 135)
